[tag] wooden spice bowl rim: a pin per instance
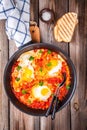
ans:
(47, 10)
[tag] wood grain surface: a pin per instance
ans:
(74, 115)
(3, 60)
(78, 48)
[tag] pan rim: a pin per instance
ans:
(20, 51)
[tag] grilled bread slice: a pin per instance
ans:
(65, 26)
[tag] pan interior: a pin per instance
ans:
(7, 73)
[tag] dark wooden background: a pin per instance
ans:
(74, 115)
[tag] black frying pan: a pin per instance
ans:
(7, 73)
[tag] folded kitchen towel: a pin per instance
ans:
(6, 6)
(17, 15)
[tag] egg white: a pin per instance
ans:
(24, 58)
(60, 58)
(53, 71)
(24, 62)
(37, 93)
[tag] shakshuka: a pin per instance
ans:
(35, 76)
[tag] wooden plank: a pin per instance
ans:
(19, 120)
(34, 17)
(45, 123)
(44, 29)
(34, 10)
(15, 114)
(78, 53)
(61, 7)
(3, 60)
(62, 120)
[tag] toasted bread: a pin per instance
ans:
(65, 26)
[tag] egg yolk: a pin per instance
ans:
(44, 91)
(27, 73)
(54, 62)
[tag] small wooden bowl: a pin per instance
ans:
(49, 11)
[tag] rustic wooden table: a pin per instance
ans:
(74, 115)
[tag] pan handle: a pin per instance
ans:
(30, 42)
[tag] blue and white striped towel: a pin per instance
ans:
(17, 15)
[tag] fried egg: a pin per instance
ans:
(28, 72)
(41, 93)
(25, 74)
(55, 67)
(60, 58)
(24, 59)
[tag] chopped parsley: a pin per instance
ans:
(24, 91)
(29, 101)
(68, 87)
(49, 64)
(17, 79)
(19, 67)
(41, 83)
(40, 69)
(40, 51)
(49, 52)
(31, 58)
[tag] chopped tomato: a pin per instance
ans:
(38, 65)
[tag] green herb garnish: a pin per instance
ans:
(17, 79)
(31, 58)
(68, 87)
(41, 83)
(49, 52)
(19, 67)
(29, 100)
(40, 51)
(24, 91)
(40, 69)
(49, 64)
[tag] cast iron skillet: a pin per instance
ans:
(7, 73)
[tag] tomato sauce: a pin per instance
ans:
(36, 71)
